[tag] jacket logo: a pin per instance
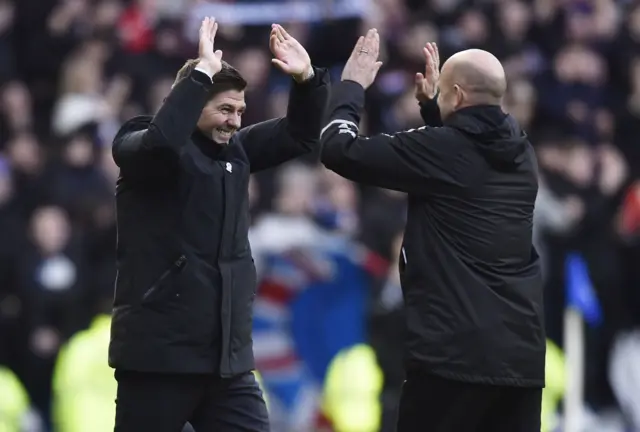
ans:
(341, 126)
(228, 167)
(344, 129)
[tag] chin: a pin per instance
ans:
(222, 140)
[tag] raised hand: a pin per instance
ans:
(210, 60)
(427, 85)
(363, 65)
(289, 55)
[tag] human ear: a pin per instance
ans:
(459, 95)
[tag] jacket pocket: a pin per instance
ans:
(154, 291)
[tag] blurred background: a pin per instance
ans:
(328, 318)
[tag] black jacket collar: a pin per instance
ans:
(206, 145)
(496, 134)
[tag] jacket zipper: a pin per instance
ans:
(176, 266)
(221, 258)
(402, 261)
(224, 200)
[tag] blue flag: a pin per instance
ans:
(579, 289)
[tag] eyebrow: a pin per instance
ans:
(227, 105)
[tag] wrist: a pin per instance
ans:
(353, 81)
(306, 75)
(206, 69)
(424, 98)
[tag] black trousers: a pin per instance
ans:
(433, 404)
(166, 402)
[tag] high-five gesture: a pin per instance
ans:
(363, 65)
(427, 84)
(289, 55)
(210, 60)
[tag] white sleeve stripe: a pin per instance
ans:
(404, 131)
(338, 122)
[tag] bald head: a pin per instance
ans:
(478, 73)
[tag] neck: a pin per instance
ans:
(482, 99)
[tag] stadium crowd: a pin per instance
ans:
(71, 71)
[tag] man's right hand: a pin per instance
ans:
(427, 84)
(210, 60)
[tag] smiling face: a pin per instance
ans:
(222, 116)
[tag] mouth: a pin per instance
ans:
(225, 133)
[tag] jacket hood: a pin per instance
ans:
(496, 134)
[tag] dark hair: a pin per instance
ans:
(228, 78)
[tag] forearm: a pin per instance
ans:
(305, 113)
(176, 119)
(345, 107)
(276, 141)
(154, 144)
(368, 160)
(405, 161)
(430, 112)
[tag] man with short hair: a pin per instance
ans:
(182, 318)
(470, 275)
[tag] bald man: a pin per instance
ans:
(470, 275)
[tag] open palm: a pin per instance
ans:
(289, 55)
(426, 86)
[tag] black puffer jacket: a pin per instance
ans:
(186, 279)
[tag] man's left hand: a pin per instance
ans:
(290, 55)
(426, 87)
(363, 65)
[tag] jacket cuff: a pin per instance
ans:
(350, 90)
(202, 79)
(314, 81)
(430, 112)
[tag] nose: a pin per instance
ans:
(234, 120)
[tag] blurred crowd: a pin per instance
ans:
(71, 71)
